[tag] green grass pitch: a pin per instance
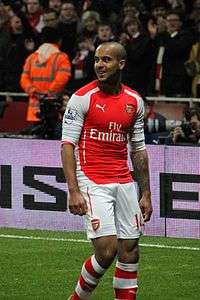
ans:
(46, 265)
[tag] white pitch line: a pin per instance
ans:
(10, 236)
(170, 247)
(86, 241)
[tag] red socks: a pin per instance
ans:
(125, 281)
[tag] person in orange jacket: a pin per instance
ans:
(45, 72)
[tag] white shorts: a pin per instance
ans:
(113, 209)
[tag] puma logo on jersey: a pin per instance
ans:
(102, 107)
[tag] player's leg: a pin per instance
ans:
(101, 230)
(95, 266)
(129, 223)
(125, 277)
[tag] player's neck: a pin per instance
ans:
(112, 87)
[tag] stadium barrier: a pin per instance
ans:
(171, 107)
(33, 193)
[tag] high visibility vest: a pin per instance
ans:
(44, 78)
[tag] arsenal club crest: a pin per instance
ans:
(95, 224)
(130, 108)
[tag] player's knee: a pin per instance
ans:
(129, 254)
(106, 256)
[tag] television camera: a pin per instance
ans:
(50, 116)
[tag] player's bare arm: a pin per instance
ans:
(141, 171)
(77, 204)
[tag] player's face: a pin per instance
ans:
(106, 63)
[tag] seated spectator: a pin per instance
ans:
(189, 130)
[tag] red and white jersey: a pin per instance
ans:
(100, 126)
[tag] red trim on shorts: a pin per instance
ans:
(89, 198)
(137, 222)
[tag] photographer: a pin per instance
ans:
(51, 113)
(155, 124)
(52, 117)
(189, 131)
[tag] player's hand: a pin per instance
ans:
(146, 207)
(77, 204)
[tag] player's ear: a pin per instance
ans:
(122, 64)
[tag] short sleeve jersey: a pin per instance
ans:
(100, 126)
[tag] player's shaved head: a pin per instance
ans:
(118, 49)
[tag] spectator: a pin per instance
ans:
(45, 72)
(19, 44)
(82, 64)
(69, 26)
(64, 98)
(139, 50)
(90, 21)
(193, 69)
(194, 16)
(104, 34)
(131, 9)
(4, 37)
(155, 124)
(50, 18)
(174, 46)
(55, 5)
(9, 8)
(189, 131)
(157, 21)
(177, 5)
(107, 9)
(34, 12)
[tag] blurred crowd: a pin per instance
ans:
(161, 37)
